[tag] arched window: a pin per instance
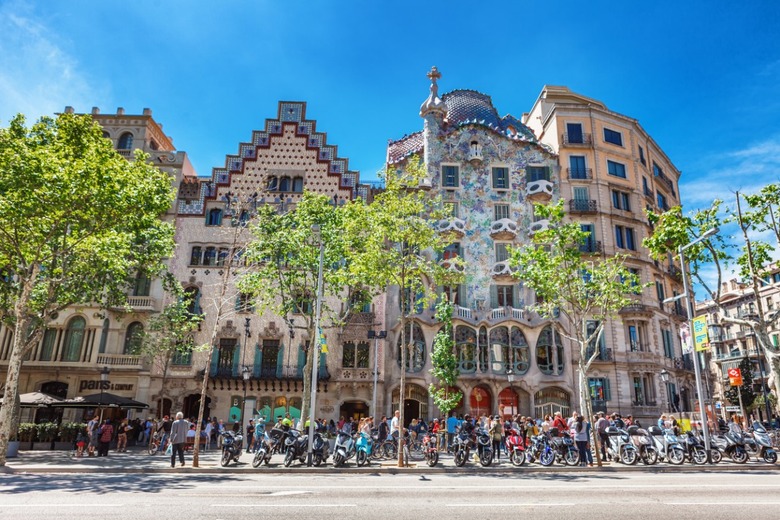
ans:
(284, 184)
(222, 256)
(106, 135)
(133, 338)
(297, 185)
(415, 354)
(482, 348)
(49, 339)
(549, 359)
(499, 350)
(243, 218)
(210, 256)
(103, 336)
(142, 284)
(466, 349)
(193, 295)
(519, 360)
(196, 255)
(215, 217)
(74, 338)
(273, 184)
(125, 141)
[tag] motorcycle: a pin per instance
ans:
(694, 449)
(644, 445)
(515, 447)
(464, 443)
(344, 449)
(364, 446)
(296, 446)
(430, 449)
(763, 443)
(231, 447)
(540, 450)
(619, 446)
(731, 443)
(563, 447)
(667, 446)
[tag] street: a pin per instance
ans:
(639, 495)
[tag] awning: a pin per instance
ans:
(37, 400)
(104, 399)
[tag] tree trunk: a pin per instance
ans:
(586, 408)
(9, 415)
(773, 360)
(202, 408)
(401, 391)
(307, 368)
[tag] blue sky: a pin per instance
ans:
(702, 77)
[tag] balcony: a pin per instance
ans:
(502, 269)
(539, 225)
(605, 355)
(636, 308)
(452, 225)
(539, 190)
(684, 363)
(591, 247)
(583, 206)
(462, 312)
(580, 174)
(502, 313)
(503, 229)
(120, 361)
(674, 272)
(577, 139)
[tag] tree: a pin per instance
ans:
(169, 334)
(575, 288)
(748, 395)
(444, 361)
(285, 258)
(399, 247)
(77, 222)
(757, 219)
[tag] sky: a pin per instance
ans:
(702, 77)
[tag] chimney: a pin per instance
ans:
(69, 110)
(95, 111)
(147, 111)
(120, 111)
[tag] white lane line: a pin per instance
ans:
(285, 505)
(61, 505)
(523, 484)
(729, 503)
(517, 504)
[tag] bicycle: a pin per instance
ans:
(154, 443)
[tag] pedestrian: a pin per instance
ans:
(178, 438)
(580, 434)
(82, 439)
(105, 435)
(395, 423)
(601, 430)
(121, 438)
(496, 432)
(250, 435)
(560, 424)
(452, 427)
(92, 432)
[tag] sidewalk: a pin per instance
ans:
(137, 460)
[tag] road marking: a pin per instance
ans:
(284, 505)
(61, 505)
(522, 484)
(729, 503)
(518, 504)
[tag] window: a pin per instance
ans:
(451, 251)
(450, 176)
(415, 344)
(74, 337)
(549, 357)
(502, 252)
(577, 168)
(625, 238)
(666, 336)
(581, 200)
(133, 338)
(125, 142)
(657, 170)
(590, 328)
(215, 217)
(500, 178)
(599, 389)
(270, 357)
(501, 211)
(642, 156)
(574, 133)
(589, 245)
(284, 184)
(509, 354)
(621, 200)
(225, 356)
(613, 136)
(222, 256)
(141, 285)
(182, 358)
(466, 349)
(273, 184)
(454, 293)
(450, 209)
(537, 173)
(504, 296)
(643, 391)
(245, 303)
(193, 301)
(303, 304)
(634, 271)
(210, 256)
(646, 188)
(661, 198)
(616, 169)
(355, 356)
(297, 186)
(659, 291)
(47, 350)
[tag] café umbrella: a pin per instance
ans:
(102, 400)
(37, 400)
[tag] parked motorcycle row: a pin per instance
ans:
(626, 446)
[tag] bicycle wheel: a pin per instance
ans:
(390, 450)
(416, 450)
(153, 447)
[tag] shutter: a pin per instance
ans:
(607, 392)
(301, 361)
(280, 361)
(237, 306)
(237, 360)
(214, 361)
(493, 296)
(258, 362)
(547, 173)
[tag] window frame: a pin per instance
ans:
(501, 207)
(613, 171)
(613, 134)
(505, 179)
(452, 183)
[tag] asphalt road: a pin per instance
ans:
(706, 494)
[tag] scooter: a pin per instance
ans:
(344, 449)
(667, 445)
(644, 445)
(619, 446)
(296, 446)
(694, 449)
(430, 449)
(730, 443)
(764, 443)
(515, 447)
(565, 450)
(231, 447)
(364, 446)
(464, 443)
(540, 450)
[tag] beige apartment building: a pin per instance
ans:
(611, 171)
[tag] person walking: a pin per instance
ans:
(179, 430)
(452, 428)
(105, 435)
(496, 433)
(580, 434)
(121, 438)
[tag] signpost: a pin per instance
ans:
(735, 379)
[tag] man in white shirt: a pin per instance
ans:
(394, 423)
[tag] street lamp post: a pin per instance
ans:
(103, 379)
(665, 378)
(316, 232)
(696, 364)
(376, 335)
(246, 373)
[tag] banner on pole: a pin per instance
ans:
(735, 377)
(685, 338)
(701, 339)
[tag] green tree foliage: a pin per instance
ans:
(77, 222)
(573, 287)
(444, 361)
(748, 395)
(399, 247)
(751, 249)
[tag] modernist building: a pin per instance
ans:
(611, 171)
(730, 344)
(82, 341)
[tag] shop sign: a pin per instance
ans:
(97, 384)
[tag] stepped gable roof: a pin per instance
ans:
(404, 147)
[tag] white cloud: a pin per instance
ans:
(37, 74)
